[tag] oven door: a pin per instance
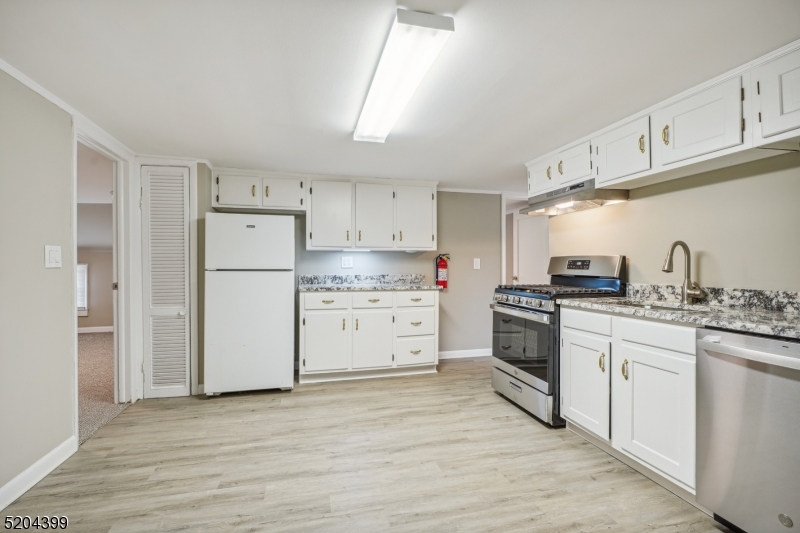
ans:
(521, 345)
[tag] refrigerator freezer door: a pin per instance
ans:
(249, 331)
(249, 242)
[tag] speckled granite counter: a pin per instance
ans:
(358, 282)
(750, 320)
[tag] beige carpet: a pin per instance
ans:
(96, 406)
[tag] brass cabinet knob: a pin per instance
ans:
(416, 323)
(415, 352)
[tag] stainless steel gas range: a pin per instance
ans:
(525, 340)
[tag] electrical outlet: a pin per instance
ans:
(347, 262)
(476, 263)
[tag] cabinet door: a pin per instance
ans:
(374, 215)
(331, 214)
(654, 408)
(706, 122)
(282, 192)
(372, 339)
(624, 151)
(326, 341)
(237, 190)
(541, 177)
(779, 94)
(585, 381)
(415, 205)
(574, 163)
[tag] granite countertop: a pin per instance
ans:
(367, 287)
(749, 320)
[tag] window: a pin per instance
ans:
(83, 289)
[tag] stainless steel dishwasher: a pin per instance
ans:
(748, 431)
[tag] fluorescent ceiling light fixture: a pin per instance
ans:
(413, 44)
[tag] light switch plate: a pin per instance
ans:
(52, 256)
(347, 262)
(476, 263)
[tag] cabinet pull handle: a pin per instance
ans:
(506, 320)
(625, 369)
(348, 235)
(664, 133)
(373, 300)
(601, 362)
(253, 191)
(401, 235)
(561, 167)
(266, 191)
(356, 324)
(416, 323)
(415, 352)
(416, 299)
(641, 143)
(548, 173)
(359, 235)
(327, 301)
(343, 323)
(506, 347)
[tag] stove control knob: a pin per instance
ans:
(516, 299)
(537, 303)
(505, 297)
(497, 296)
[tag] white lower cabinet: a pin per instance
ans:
(585, 394)
(352, 335)
(653, 399)
(326, 336)
(372, 339)
(632, 385)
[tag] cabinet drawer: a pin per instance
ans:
(415, 298)
(666, 336)
(415, 322)
(368, 300)
(326, 300)
(521, 393)
(415, 351)
(581, 320)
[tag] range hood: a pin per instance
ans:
(576, 197)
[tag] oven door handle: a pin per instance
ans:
(528, 315)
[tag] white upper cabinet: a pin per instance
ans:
(330, 217)
(574, 163)
(237, 190)
(622, 151)
(778, 88)
(541, 177)
(415, 217)
(374, 215)
(706, 122)
(288, 193)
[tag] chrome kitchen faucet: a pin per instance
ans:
(690, 290)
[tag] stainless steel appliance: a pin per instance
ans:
(575, 197)
(748, 431)
(525, 339)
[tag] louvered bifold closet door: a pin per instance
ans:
(165, 245)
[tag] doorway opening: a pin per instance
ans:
(96, 300)
(527, 245)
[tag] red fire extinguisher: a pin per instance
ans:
(441, 270)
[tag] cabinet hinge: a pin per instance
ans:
(758, 87)
(590, 150)
(301, 184)
(590, 164)
(742, 94)
(431, 238)
(218, 198)
(562, 343)
(432, 196)
(597, 171)
(301, 201)
(392, 236)
(392, 319)
(759, 116)
(742, 124)
(310, 190)
(310, 235)
(304, 321)
(141, 197)
(393, 194)
(304, 363)
(217, 180)
(392, 357)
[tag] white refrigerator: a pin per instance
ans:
(249, 303)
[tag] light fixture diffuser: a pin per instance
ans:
(413, 44)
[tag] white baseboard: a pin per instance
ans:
(459, 354)
(36, 472)
(97, 329)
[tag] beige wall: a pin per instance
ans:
(37, 313)
(203, 207)
(742, 225)
(101, 303)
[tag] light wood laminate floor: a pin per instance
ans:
(440, 453)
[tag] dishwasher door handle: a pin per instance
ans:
(751, 355)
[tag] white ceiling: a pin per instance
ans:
(279, 85)
(95, 177)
